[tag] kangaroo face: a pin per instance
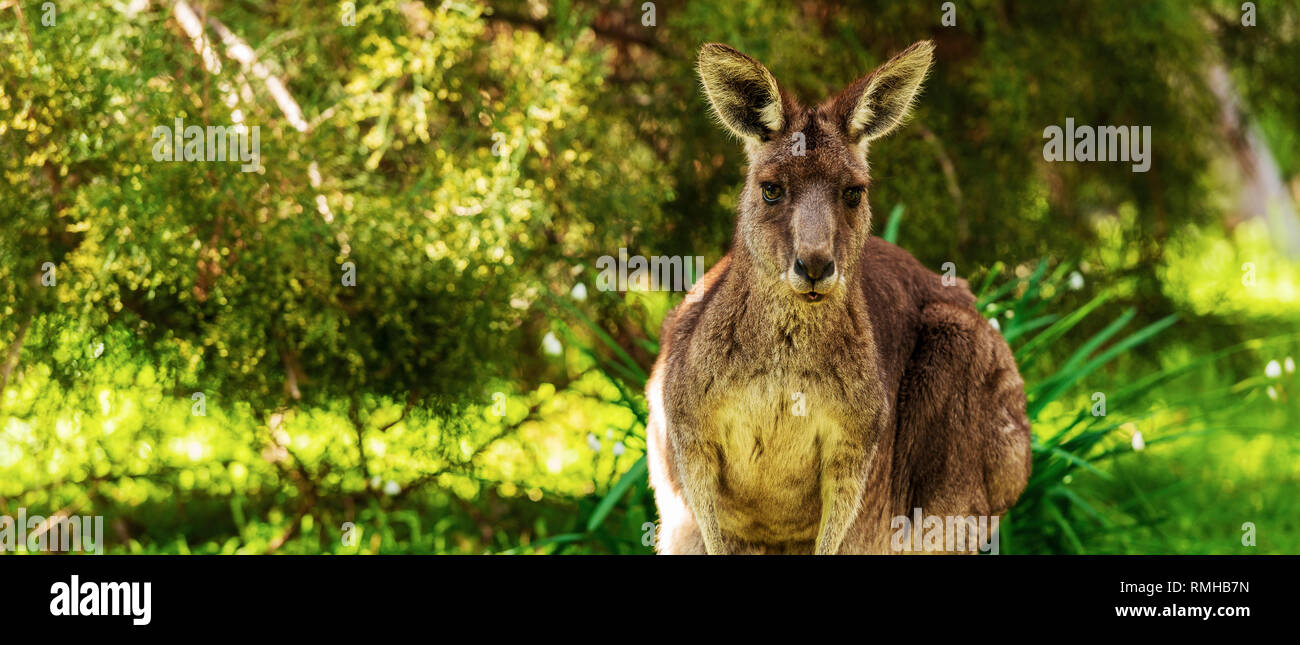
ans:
(803, 213)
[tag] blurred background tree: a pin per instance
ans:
(470, 161)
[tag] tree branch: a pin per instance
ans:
(543, 26)
(15, 349)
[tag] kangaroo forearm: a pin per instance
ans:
(843, 484)
(698, 468)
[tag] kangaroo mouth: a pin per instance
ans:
(812, 291)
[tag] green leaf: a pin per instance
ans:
(891, 225)
(634, 474)
(628, 362)
(1065, 379)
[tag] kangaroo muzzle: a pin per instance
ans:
(812, 271)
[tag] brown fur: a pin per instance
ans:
(912, 399)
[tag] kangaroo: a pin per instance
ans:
(818, 382)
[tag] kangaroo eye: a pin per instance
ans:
(772, 193)
(852, 197)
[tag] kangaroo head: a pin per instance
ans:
(803, 213)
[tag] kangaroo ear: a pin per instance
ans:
(874, 105)
(743, 93)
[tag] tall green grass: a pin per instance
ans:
(1046, 517)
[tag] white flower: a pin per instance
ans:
(1076, 281)
(994, 322)
(1288, 365)
(391, 488)
(579, 291)
(1273, 369)
(593, 441)
(618, 449)
(1272, 392)
(1138, 443)
(99, 350)
(551, 345)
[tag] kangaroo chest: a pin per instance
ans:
(773, 431)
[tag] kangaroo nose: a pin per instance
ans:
(815, 268)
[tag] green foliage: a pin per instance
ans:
(1051, 514)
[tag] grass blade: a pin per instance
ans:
(634, 474)
(891, 227)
